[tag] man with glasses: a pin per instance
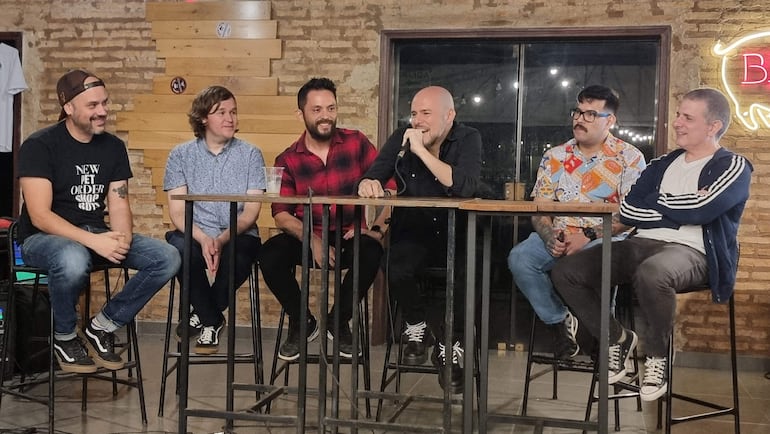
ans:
(686, 208)
(593, 166)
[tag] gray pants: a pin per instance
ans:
(657, 270)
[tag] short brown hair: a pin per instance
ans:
(202, 106)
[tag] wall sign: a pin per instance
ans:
(745, 74)
(178, 85)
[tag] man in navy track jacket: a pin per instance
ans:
(686, 207)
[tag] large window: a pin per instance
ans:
(517, 88)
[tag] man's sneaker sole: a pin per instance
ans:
(415, 361)
(206, 350)
(106, 364)
(292, 357)
(622, 373)
(344, 354)
(74, 367)
(652, 395)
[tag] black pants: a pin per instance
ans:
(657, 271)
(282, 253)
(407, 261)
(209, 301)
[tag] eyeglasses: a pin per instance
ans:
(588, 115)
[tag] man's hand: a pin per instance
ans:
(111, 246)
(370, 188)
(557, 244)
(414, 137)
(575, 242)
(211, 249)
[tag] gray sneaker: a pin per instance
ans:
(655, 380)
(619, 355)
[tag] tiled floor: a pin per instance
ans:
(108, 414)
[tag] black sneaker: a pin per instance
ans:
(418, 339)
(193, 329)
(455, 382)
(72, 356)
(208, 341)
(619, 354)
(346, 338)
(101, 346)
(655, 380)
(565, 340)
(290, 348)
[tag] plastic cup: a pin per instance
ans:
(273, 177)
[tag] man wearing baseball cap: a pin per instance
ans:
(71, 174)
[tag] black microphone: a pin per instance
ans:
(404, 148)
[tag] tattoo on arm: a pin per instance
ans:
(122, 190)
(544, 227)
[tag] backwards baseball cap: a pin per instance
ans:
(72, 84)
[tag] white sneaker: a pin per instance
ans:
(654, 382)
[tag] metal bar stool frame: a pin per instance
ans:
(131, 347)
(716, 409)
(398, 368)
(255, 357)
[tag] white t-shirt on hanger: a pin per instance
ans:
(11, 83)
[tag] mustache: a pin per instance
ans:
(579, 126)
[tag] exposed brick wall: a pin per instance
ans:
(340, 39)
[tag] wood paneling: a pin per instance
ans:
(165, 140)
(177, 122)
(227, 43)
(237, 85)
(227, 10)
(250, 67)
(258, 105)
(219, 48)
(209, 29)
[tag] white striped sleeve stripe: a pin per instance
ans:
(639, 214)
(722, 183)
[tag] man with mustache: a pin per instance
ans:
(687, 208)
(594, 166)
(70, 174)
(324, 161)
(434, 156)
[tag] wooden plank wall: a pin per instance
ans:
(227, 43)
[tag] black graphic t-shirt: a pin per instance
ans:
(80, 173)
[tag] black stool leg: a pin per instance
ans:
(165, 372)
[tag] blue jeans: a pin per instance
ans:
(530, 262)
(69, 264)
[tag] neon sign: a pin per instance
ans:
(745, 75)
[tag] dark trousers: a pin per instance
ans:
(209, 301)
(283, 252)
(407, 261)
(656, 270)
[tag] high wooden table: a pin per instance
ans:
(229, 413)
(451, 205)
(481, 207)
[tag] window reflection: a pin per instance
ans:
(491, 78)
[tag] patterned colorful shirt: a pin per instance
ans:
(350, 155)
(566, 175)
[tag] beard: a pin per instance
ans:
(89, 126)
(312, 129)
